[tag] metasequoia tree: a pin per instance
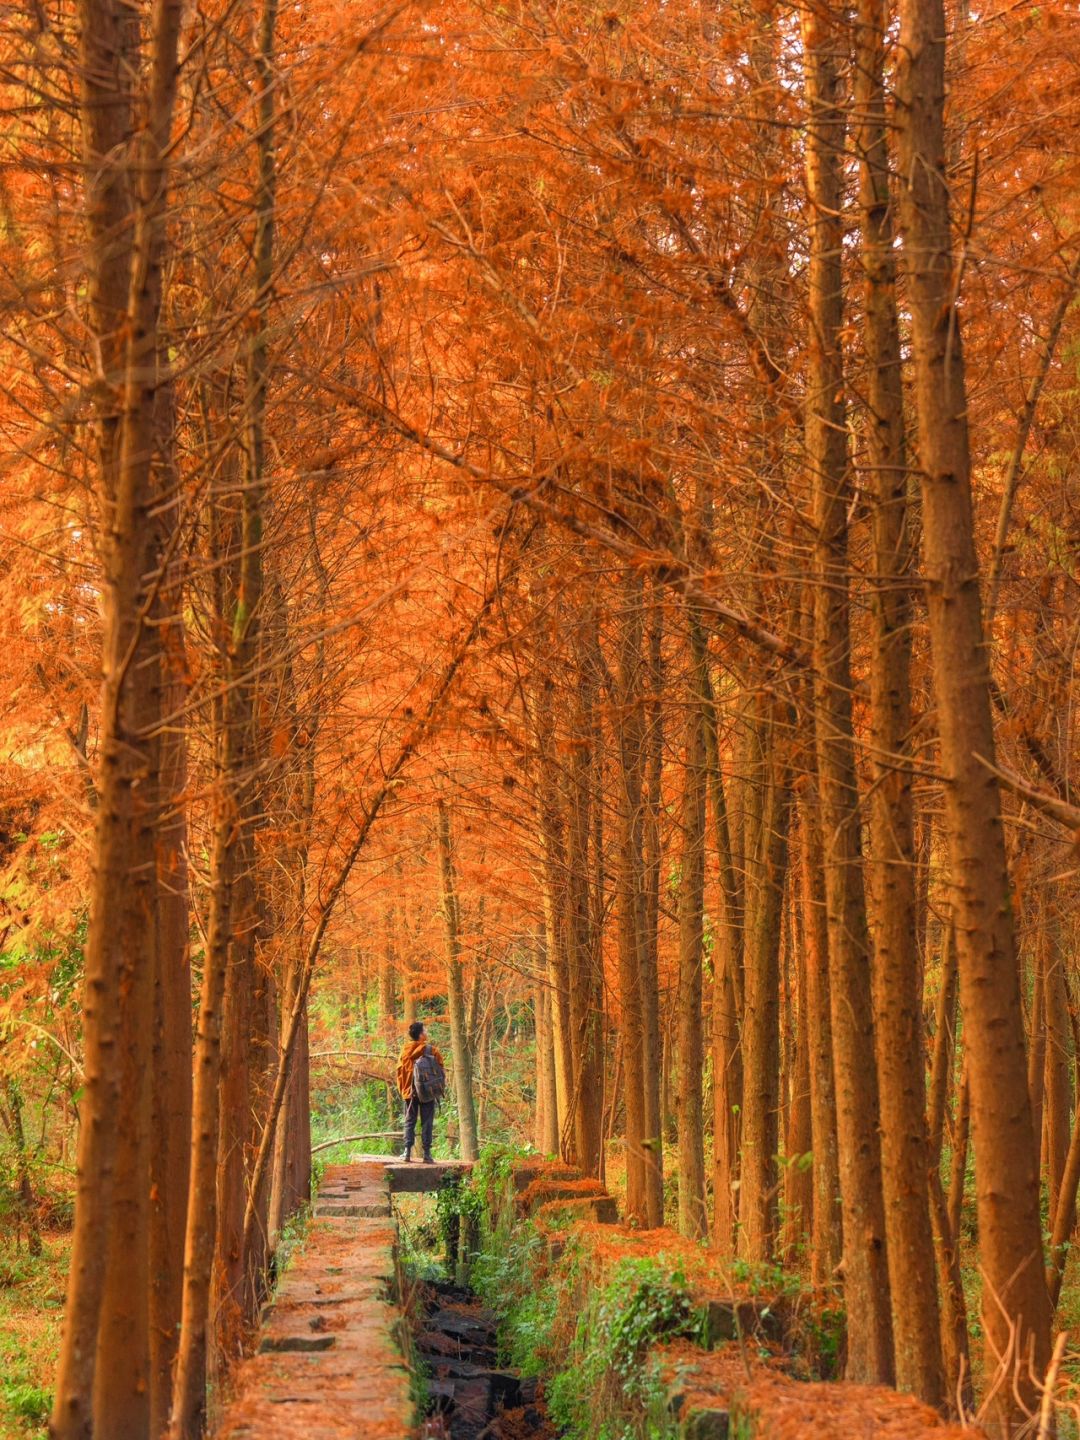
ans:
(633, 955)
(897, 999)
(764, 854)
(693, 1220)
(127, 98)
(866, 1288)
(825, 1232)
(463, 1079)
(1015, 1308)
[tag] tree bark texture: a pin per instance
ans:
(650, 968)
(767, 853)
(905, 1153)
(103, 1379)
(630, 896)
(727, 988)
(1015, 1311)
(170, 1156)
(459, 1041)
(693, 1217)
(826, 1233)
(866, 1286)
(553, 876)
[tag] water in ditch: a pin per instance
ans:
(470, 1396)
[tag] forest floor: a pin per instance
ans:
(32, 1290)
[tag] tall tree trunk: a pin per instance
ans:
(905, 1154)
(170, 1156)
(650, 965)
(293, 807)
(768, 845)
(727, 1075)
(1059, 1084)
(1016, 1312)
(631, 898)
(264, 1063)
(227, 1299)
(230, 1304)
(409, 1003)
(463, 1068)
(547, 1119)
(866, 1285)
(1063, 1220)
(798, 1176)
(14, 1124)
(826, 1233)
(482, 1052)
(958, 1165)
(727, 1102)
(956, 1357)
(103, 1380)
(553, 860)
(586, 1102)
(291, 1184)
(1036, 1049)
(227, 857)
(387, 968)
(787, 1030)
(941, 1068)
(693, 1217)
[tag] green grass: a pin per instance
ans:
(31, 1313)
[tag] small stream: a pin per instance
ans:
(470, 1395)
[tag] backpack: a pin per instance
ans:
(428, 1078)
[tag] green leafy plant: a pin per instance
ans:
(505, 1275)
(609, 1389)
(26, 1402)
(291, 1238)
(457, 1201)
(826, 1330)
(420, 1239)
(761, 1278)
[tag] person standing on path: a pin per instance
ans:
(421, 1078)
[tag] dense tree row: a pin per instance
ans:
(545, 508)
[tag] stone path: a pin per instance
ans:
(329, 1362)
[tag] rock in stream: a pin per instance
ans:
(470, 1395)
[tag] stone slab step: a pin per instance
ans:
(340, 1419)
(341, 1209)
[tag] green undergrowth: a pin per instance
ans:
(31, 1313)
(608, 1375)
(343, 1104)
(813, 1325)
(590, 1345)
(291, 1239)
(421, 1248)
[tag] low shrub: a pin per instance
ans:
(29, 1403)
(607, 1387)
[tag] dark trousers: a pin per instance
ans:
(426, 1111)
